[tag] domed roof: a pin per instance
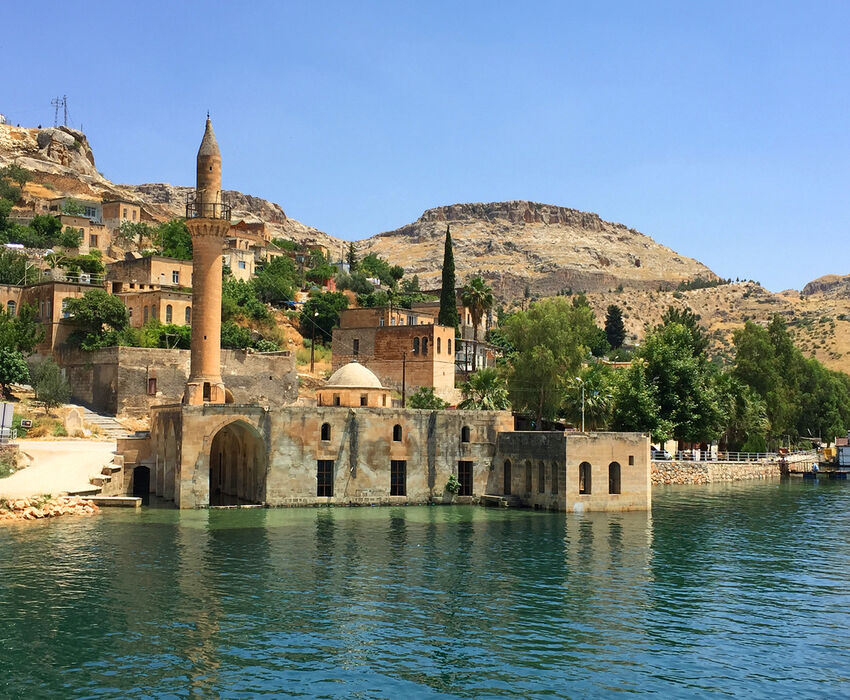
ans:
(355, 376)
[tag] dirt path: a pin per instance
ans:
(57, 466)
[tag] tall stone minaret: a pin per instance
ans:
(208, 220)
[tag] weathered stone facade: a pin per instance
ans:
(118, 379)
(684, 472)
(574, 471)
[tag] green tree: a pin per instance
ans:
(173, 240)
(448, 296)
(690, 320)
(100, 319)
(132, 233)
(599, 383)
(50, 387)
(637, 406)
(239, 299)
(12, 181)
(72, 207)
(322, 310)
(21, 332)
(13, 370)
(234, 337)
(14, 268)
(615, 329)
(351, 258)
(71, 237)
(477, 296)
(550, 341)
(277, 281)
(486, 390)
(425, 398)
(745, 416)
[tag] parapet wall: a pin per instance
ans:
(683, 472)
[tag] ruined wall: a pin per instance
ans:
(117, 380)
(664, 472)
(360, 445)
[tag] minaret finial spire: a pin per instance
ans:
(208, 114)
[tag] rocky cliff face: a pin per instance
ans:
(832, 286)
(548, 248)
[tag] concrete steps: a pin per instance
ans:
(108, 426)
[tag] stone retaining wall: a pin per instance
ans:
(711, 472)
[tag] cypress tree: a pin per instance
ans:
(615, 329)
(448, 297)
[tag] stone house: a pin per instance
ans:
(137, 272)
(117, 211)
(165, 305)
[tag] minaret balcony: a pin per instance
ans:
(207, 210)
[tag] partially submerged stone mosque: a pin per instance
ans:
(353, 447)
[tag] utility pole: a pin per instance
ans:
(579, 380)
(403, 378)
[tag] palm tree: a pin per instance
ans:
(486, 390)
(477, 296)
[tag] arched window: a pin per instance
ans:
(554, 478)
(326, 431)
(396, 433)
(169, 313)
(541, 477)
(614, 477)
(464, 434)
(11, 308)
(424, 346)
(145, 319)
(416, 346)
(528, 478)
(188, 315)
(507, 489)
(449, 342)
(584, 477)
(438, 346)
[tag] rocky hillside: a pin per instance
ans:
(819, 321)
(548, 248)
(62, 164)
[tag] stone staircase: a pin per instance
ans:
(108, 426)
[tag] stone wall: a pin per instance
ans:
(685, 472)
(131, 380)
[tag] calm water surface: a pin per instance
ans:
(732, 589)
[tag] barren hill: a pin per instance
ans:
(62, 164)
(548, 248)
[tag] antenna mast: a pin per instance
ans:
(58, 102)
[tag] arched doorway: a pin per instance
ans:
(507, 484)
(142, 482)
(237, 466)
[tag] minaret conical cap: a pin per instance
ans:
(209, 146)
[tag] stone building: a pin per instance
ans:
(165, 305)
(404, 348)
(130, 381)
(137, 272)
(117, 211)
(213, 449)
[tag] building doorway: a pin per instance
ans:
(464, 476)
(142, 481)
(507, 487)
(237, 466)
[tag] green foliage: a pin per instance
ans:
(486, 390)
(173, 239)
(14, 268)
(51, 388)
(355, 281)
(320, 269)
(425, 398)
(375, 266)
(615, 329)
(100, 319)
(599, 388)
(448, 297)
(551, 340)
(21, 332)
(71, 237)
(91, 263)
(234, 337)
(322, 310)
(264, 345)
(72, 207)
(12, 180)
(453, 485)
(285, 244)
(159, 335)
(690, 320)
(239, 299)
(13, 370)
(351, 259)
(133, 233)
(683, 388)
(700, 283)
(597, 342)
(477, 296)
(277, 281)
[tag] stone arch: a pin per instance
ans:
(326, 431)
(541, 477)
(529, 477)
(187, 315)
(555, 479)
(614, 477)
(507, 482)
(424, 346)
(464, 434)
(397, 433)
(11, 307)
(584, 478)
(238, 465)
(416, 346)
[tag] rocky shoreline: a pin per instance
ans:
(17, 509)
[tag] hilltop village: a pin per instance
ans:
(260, 369)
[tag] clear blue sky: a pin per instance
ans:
(718, 128)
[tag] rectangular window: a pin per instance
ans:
(65, 312)
(93, 240)
(175, 277)
(134, 214)
(464, 476)
(631, 460)
(555, 478)
(398, 477)
(336, 399)
(363, 400)
(151, 386)
(381, 321)
(241, 264)
(325, 477)
(355, 347)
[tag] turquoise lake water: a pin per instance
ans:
(740, 589)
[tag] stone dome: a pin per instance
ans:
(354, 376)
